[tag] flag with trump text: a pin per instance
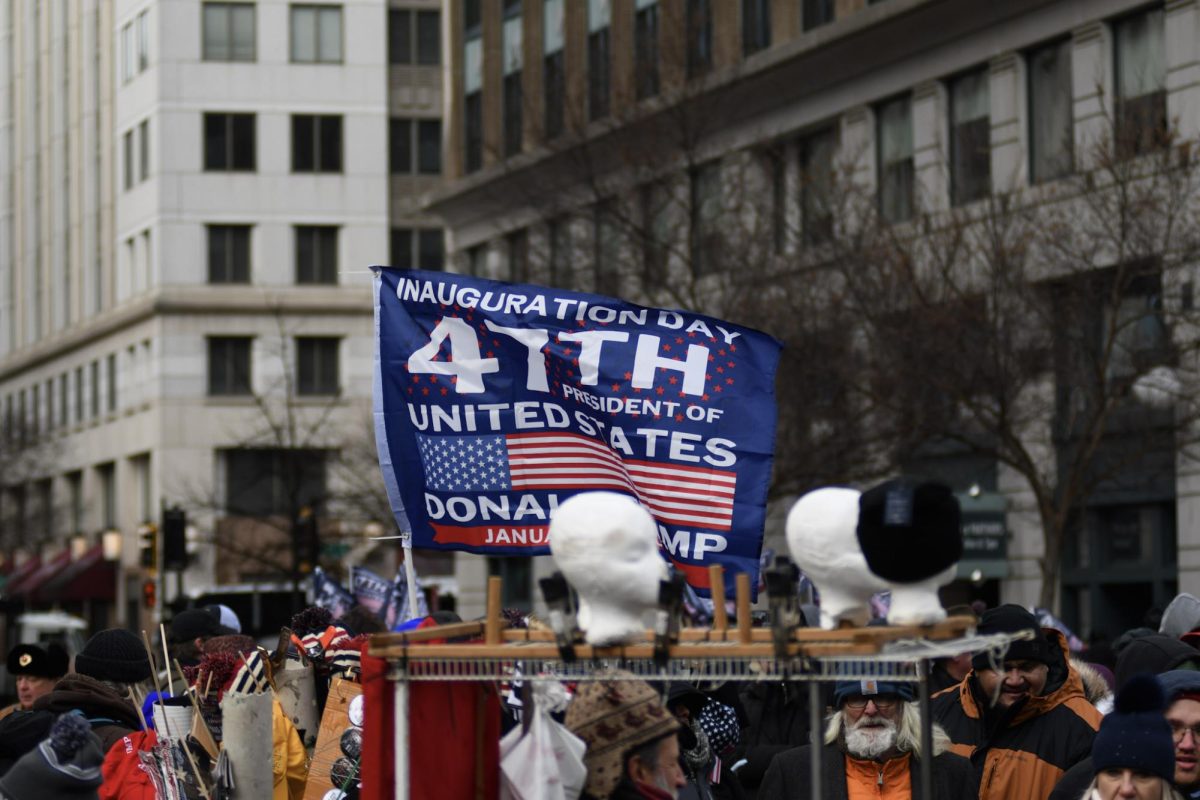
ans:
(495, 402)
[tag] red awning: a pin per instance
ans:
(48, 570)
(88, 577)
(23, 574)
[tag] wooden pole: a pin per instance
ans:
(492, 626)
(716, 582)
(743, 608)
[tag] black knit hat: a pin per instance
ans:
(909, 530)
(114, 655)
(1136, 734)
(29, 659)
(1010, 618)
(196, 623)
(66, 765)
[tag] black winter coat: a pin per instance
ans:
(790, 776)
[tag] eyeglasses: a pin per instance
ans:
(881, 702)
(1179, 730)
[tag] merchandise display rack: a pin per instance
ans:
(720, 653)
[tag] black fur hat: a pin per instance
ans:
(909, 530)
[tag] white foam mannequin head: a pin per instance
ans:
(918, 603)
(606, 546)
(821, 535)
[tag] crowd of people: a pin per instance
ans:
(1038, 721)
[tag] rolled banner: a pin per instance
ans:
(173, 722)
(248, 740)
(298, 695)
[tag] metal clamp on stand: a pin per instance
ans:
(666, 620)
(557, 595)
(783, 602)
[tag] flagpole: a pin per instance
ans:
(410, 577)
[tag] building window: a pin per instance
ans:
(970, 138)
(143, 150)
(316, 254)
(418, 248)
(756, 25)
(472, 87)
(513, 99)
(817, 152)
(699, 37)
(477, 261)
(1140, 339)
(110, 369)
(228, 365)
(316, 143)
(267, 482)
(75, 501)
(518, 256)
(228, 253)
(35, 410)
(130, 164)
(1051, 133)
(816, 13)
(316, 34)
(423, 137)
(606, 250)
(655, 200)
(553, 85)
(107, 473)
(1141, 83)
(94, 381)
(64, 407)
(414, 37)
(48, 397)
(705, 223)
(895, 149)
(599, 59)
(229, 142)
(228, 31)
(78, 395)
(316, 365)
(558, 245)
(135, 47)
(645, 48)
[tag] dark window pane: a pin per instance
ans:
(302, 143)
(1141, 75)
(970, 138)
(429, 146)
(646, 51)
(518, 256)
(817, 153)
(330, 143)
(512, 113)
(429, 37)
(229, 365)
(552, 77)
(265, 482)
(699, 42)
(243, 141)
(216, 146)
(399, 36)
(598, 74)
(756, 25)
(402, 248)
(1051, 135)
(228, 253)
(316, 254)
(317, 366)
(895, 157)
(817, 12)
(473, 141)
(432, 250)
(400, 146)
(471, 18)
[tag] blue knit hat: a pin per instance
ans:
(869, 688)
(1136, 734)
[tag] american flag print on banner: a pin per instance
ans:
(569, 461)
(496, 402)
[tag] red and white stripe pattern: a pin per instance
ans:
(698, 497)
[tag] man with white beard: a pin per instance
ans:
(872, 750)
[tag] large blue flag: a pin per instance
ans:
(494, 402)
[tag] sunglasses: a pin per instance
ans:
(882, 702)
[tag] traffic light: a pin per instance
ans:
(149, 593)
(148, 544)
(174, 539)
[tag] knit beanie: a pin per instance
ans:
(909, 531)
(1011, 618)
(1136, 734)
(66, 765)
(114, 655)
(869, 688)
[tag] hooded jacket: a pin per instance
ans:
(1154, 654)
(790, 775)
(1021, 751)
(110, 715)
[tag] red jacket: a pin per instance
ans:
(124, 776)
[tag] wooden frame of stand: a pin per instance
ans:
(417, 655)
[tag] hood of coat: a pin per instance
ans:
(93, 698)
(1063, 683)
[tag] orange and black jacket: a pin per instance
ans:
(1019, 753)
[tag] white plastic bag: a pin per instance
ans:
(546, 763)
